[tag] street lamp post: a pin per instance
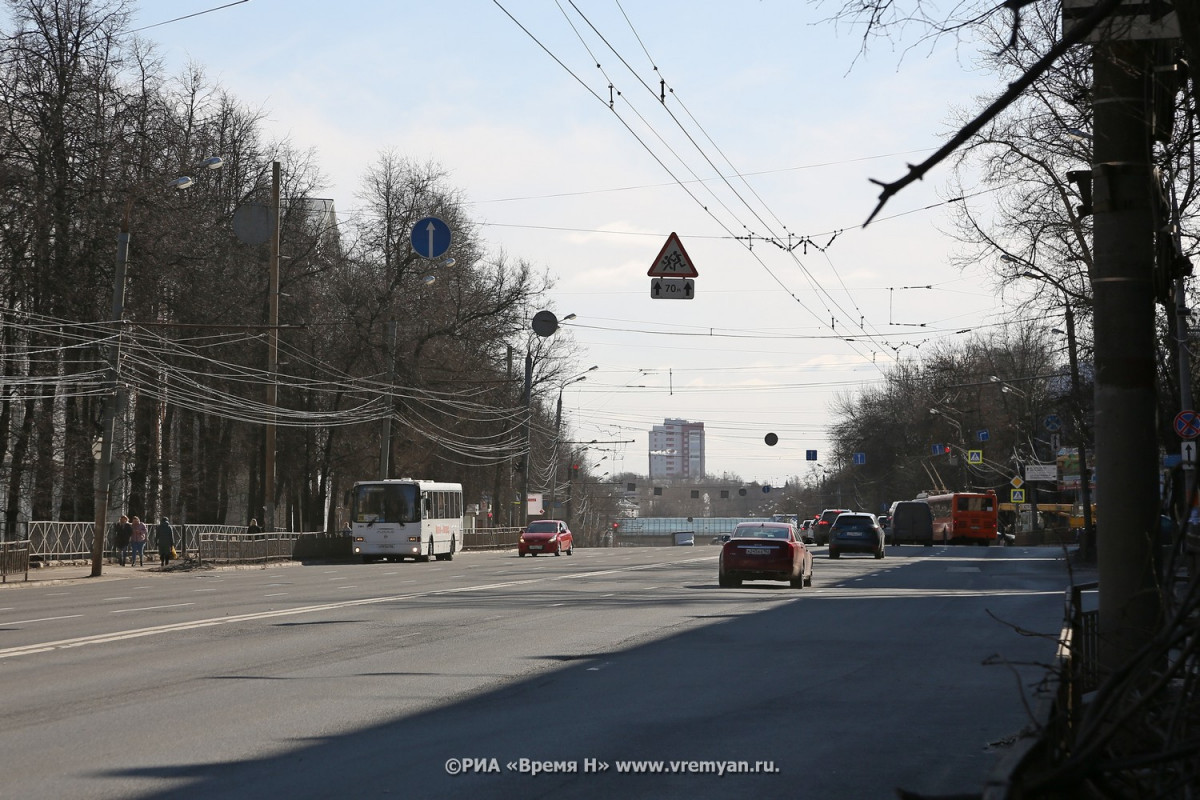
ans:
(557, 432)
(112, 401)
(1088, 543)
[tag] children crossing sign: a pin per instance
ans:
(672, 261)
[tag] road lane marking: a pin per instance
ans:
(105, 638)
(150, 608)
(43, 619)
(276, 594)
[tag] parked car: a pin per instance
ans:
(822, 523)
(885, 524)
(721, 538)
(855, 533)
(765, 551)
(546, 536)
(912, 523)
(685, 538)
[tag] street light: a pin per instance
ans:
(558, 427)
(1085, 490)
(109, 417)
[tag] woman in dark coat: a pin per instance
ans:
(121, 536)
(166, 541)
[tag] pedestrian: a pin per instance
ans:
(253, 527)
(122, 533)
(166, 541)
(138, 539)
(347, 530)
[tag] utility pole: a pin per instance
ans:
(1085, 475)
(1126, 445)
(385, 439)
(272, 354)
(111, 402)
(528, 445)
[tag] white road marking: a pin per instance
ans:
(150, 608)
(43, 619)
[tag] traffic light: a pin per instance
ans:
(574, 471)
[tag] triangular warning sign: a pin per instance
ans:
(672, 261)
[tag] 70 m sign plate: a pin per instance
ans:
(672, 288)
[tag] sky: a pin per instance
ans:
(758, 152)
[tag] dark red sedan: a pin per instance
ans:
(765, 551)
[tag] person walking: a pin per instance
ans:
(122, 533)
(138, 540)
(166, 541)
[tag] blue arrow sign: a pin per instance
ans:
(431, 238)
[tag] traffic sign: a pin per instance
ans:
(672, 261)
(974, 456)
(810, 455)
(1041, 472)
(672, 289)
(982, 435)
(545, 323)
(1187, 451)
(860, 458)
(1016, 496)
(1052, 422)
(431, 237)
(1187, 424)
(1016, 482)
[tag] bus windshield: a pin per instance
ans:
(383, 502)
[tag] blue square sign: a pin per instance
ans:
(810, 455)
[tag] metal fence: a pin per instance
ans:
(491, 538)
(14, 559)
(628, 528)
(72, 541)
(1058, 711)
(229, 547)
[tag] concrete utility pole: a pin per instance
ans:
(272, 354)
(1126, 446)
(111, 402)
(385, 437)
(527, 399)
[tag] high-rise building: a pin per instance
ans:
(677, 450)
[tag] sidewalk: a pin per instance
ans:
(70, 571)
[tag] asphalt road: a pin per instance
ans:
(531, 677)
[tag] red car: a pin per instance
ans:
(546, 536)
(765, 551)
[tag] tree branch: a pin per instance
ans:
(917, 172)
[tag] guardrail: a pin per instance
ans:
(14, 558)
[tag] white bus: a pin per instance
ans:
(406, 518)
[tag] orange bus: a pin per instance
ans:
(964, 517)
